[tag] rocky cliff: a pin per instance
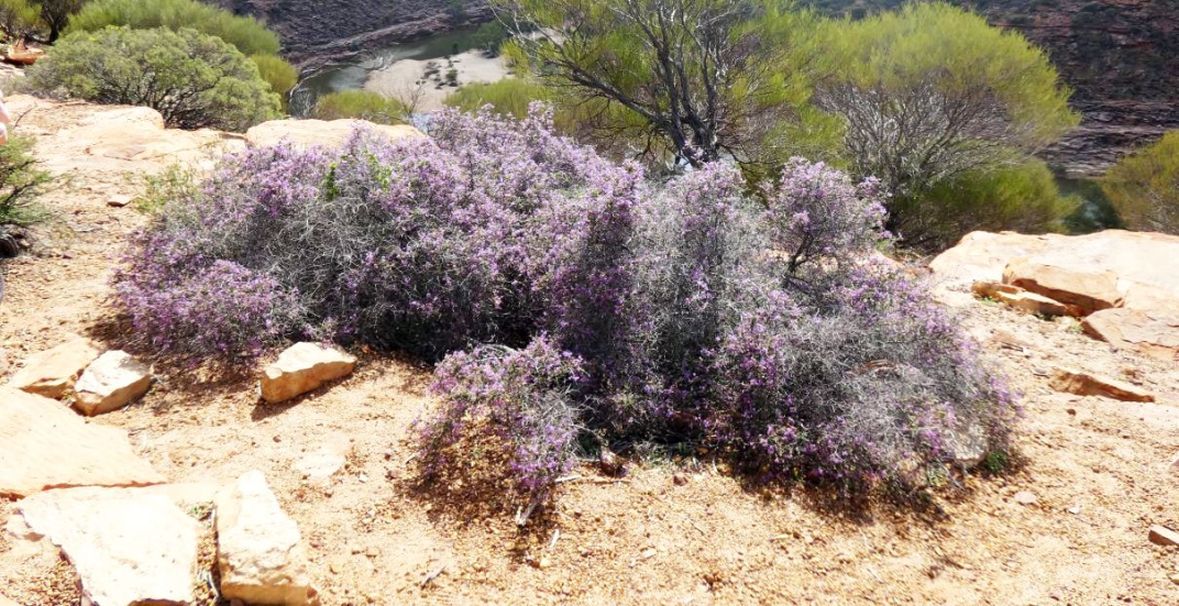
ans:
(315, 32)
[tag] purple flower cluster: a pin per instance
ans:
(520, 397)
(820, 220)
(569, 295)
(223, 309)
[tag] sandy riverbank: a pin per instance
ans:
(422, 84)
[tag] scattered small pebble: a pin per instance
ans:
(1024, 497)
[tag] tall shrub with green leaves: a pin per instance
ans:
(932, 92)
(1144, 186)
(194, 80)
(247, 34)
(1023, 198)
(278, 73)
(362, 105)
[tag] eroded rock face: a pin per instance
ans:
(1152, 333)
(301, 368)
(1137, 259)
(259, 549)
(51, 373)
(1018, 298)
(310, 133)
(1089, 291)
(1123, 283)
(111, 382)
(1072, 380)
(130, 547)
(45, 445)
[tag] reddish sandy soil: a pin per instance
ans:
(1098, 468)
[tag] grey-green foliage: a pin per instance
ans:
(21, 182)
(194, 80)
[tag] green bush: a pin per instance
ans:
(21, 182)
(490, 37)
(1023, 198)
(246, 33)
(194, 80)
(932, 95)
(278, 73)
(362, 105)
(508, 97)
(1144, 187)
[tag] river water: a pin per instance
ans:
(354, 73)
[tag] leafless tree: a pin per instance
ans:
(915, 137)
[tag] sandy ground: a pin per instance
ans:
(406, 79)
(1098, 469)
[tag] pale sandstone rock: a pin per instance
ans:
(45, 445)
(320, 466)
(129, 546)
(1088, 291)
(111, 382)
(1082, 383)
(119, 200)
(1143, 262)
(259, 549)
(1161, 535)
(1152, 333)
(301, 368)
(968, 445)
(1018, 298)
(115, 139)
(51, 373)
(333, 133)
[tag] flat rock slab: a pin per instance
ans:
(1083, 383)
(1018, 298)
(325, 133)
(111, 382)
(129, 546)
(116, 139)
(260, 552)
(1161, 535)
(45, 445)
(51, 373)
(301, 368)
(1155, 334)
(1142, 262)
(1089, 291)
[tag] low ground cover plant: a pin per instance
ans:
(573, 303)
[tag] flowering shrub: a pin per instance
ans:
(873, 387)
(569, 297)
(818, 217)
(224, 309)
(522, 398)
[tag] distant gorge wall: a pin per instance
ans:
(1120, 56)
(316, 32)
